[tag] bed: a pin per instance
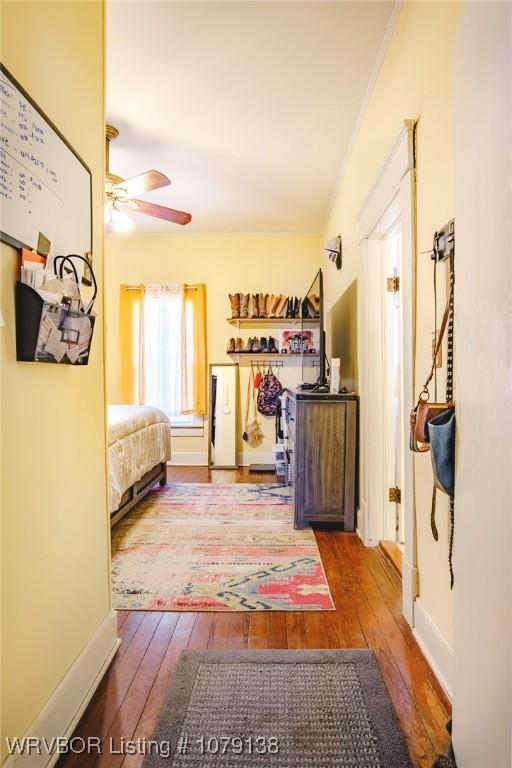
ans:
(139, 446)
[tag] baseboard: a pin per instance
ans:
(435, 647)
(362, 526)
(66, 705)
(256, 457)
(409, 589)
(189, 459)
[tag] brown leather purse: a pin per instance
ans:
(424, 410)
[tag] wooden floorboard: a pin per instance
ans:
(392, 552)
(367, 596)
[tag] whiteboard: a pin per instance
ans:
(44, 185)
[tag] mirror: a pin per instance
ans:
(222, 439)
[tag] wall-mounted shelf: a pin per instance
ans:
(283, 322)
(274, 355)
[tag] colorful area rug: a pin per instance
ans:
(208, 547)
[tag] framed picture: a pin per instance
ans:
(298, 342)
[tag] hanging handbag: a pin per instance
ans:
(252, 434)
(258, 378)
(432, 425)
(268, 394)
(441, 433)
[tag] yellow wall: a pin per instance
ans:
(415, 81)
(227, 264)
(55, 536)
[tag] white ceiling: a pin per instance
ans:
(248, 107)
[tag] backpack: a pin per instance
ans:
(268, 394)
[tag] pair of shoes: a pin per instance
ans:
(262, 346)
(235, 346)
(262, 305)
(310, 307)
(272, 347)
(254, 345)
(279, 306)
(239, 305)
(293, 307)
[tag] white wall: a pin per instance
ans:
(482, 636)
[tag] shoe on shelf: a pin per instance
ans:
(314, 304)
(231, 347)
(264, 345)
(296, 307)
(289, 308)
(235, 305)
(280, 305)
(274, 303)
(262, 304)
(272, 348)
(305, 309)
(248, 346)
(255, 346)
(270, 303)
(239, 345)
(244, 305)
(253, 306)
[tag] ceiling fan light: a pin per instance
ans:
(120, 221)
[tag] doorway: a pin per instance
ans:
(386, 289)
(393, 524)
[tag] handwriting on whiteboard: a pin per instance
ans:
(44, 185)
(23, 171)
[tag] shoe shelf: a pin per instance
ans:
(283, 322)
(275, 355)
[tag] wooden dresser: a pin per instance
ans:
(322, 452)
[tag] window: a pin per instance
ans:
(164, 350)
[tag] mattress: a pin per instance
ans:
(139, 438)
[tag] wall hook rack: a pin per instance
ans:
(262, 361)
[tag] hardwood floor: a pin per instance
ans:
(367, 594)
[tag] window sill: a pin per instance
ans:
(187, 431)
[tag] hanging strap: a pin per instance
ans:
(447, 323)
(448, 312)
(249, 387)
(449, 398)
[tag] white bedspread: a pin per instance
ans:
(139, 438)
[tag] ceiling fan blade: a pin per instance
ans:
(158, 211)
(139, 185)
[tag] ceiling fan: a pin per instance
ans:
(120, 193)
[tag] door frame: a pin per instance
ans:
(394, 186)
(392, 432)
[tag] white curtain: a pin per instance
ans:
(165, 371)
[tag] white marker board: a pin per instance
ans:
(44, 185)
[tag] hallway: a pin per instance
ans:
(367, 594)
